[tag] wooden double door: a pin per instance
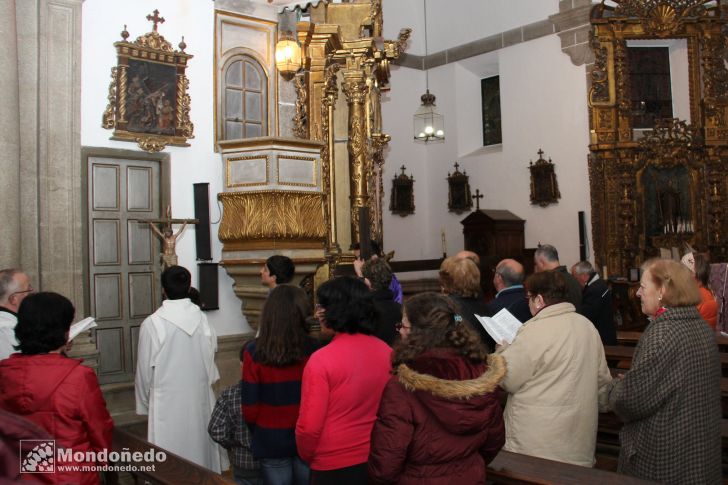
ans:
(123, 256)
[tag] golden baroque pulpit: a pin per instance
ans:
(300, 195)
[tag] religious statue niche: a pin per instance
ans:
(148, 100)
(544, 187)
(459, 199)
(402, 200)
(667, 201)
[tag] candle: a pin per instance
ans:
(604, 272)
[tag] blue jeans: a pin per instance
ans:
(284, 471)
(247, 477)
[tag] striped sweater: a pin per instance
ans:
(271, 399)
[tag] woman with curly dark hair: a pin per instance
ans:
(440, 420)
(271, 388)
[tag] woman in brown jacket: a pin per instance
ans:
(439, 421)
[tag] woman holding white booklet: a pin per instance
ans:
(557, 378)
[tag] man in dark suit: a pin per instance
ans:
(596, 301)
(508, 282)
(546, 258)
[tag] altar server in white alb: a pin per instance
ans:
(175, 373)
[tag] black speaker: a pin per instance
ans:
(582, 237)
(207, 282)
(202, 230)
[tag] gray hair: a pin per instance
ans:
(510, 275)
(583, 267)
(548, 253)
(7, 283)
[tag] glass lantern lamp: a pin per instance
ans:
(429, 125)
(288, 55)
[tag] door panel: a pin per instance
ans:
(124, 272)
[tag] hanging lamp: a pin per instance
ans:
(429, 125)
(288, 55)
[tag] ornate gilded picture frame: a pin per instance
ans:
(148, 100)
(402, 199)
(544, 186)
(459, 199)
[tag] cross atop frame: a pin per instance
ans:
(155, 18)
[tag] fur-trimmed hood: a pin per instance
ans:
(453, 389)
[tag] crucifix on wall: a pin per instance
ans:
(168, 257)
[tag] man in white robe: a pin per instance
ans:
(175, 373)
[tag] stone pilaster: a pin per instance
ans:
(9, 138)
(60, 194)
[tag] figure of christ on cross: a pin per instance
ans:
(168, 257)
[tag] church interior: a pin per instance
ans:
(428, 126)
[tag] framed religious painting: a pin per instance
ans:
(459, 199)
(402, 199)
(148, 100)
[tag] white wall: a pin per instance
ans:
(102, 23)
(543, 105)
(451, 23)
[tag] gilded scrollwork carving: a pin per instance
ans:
(185, 127)
(599, 91)
(672, 142)
(713, 49)
(107, 121)
(151, 144)
(300, 120)
(272, 215)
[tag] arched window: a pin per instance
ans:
(245, 99)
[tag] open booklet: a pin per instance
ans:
(502, 326)
(81, 326)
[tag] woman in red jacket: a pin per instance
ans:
(55, 392)
(440, 420)
(342, 385)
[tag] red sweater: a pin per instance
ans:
(342, 386)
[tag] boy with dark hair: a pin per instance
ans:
(227, 427)
(277, 270)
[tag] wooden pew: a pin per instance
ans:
(514, 468)
(175, 470)
(624, 354)
(629, 338)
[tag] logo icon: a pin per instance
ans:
(40, 459)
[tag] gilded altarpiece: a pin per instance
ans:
(666, 186)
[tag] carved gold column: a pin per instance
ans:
(331, 93)
(322, 40)
(354, 87)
